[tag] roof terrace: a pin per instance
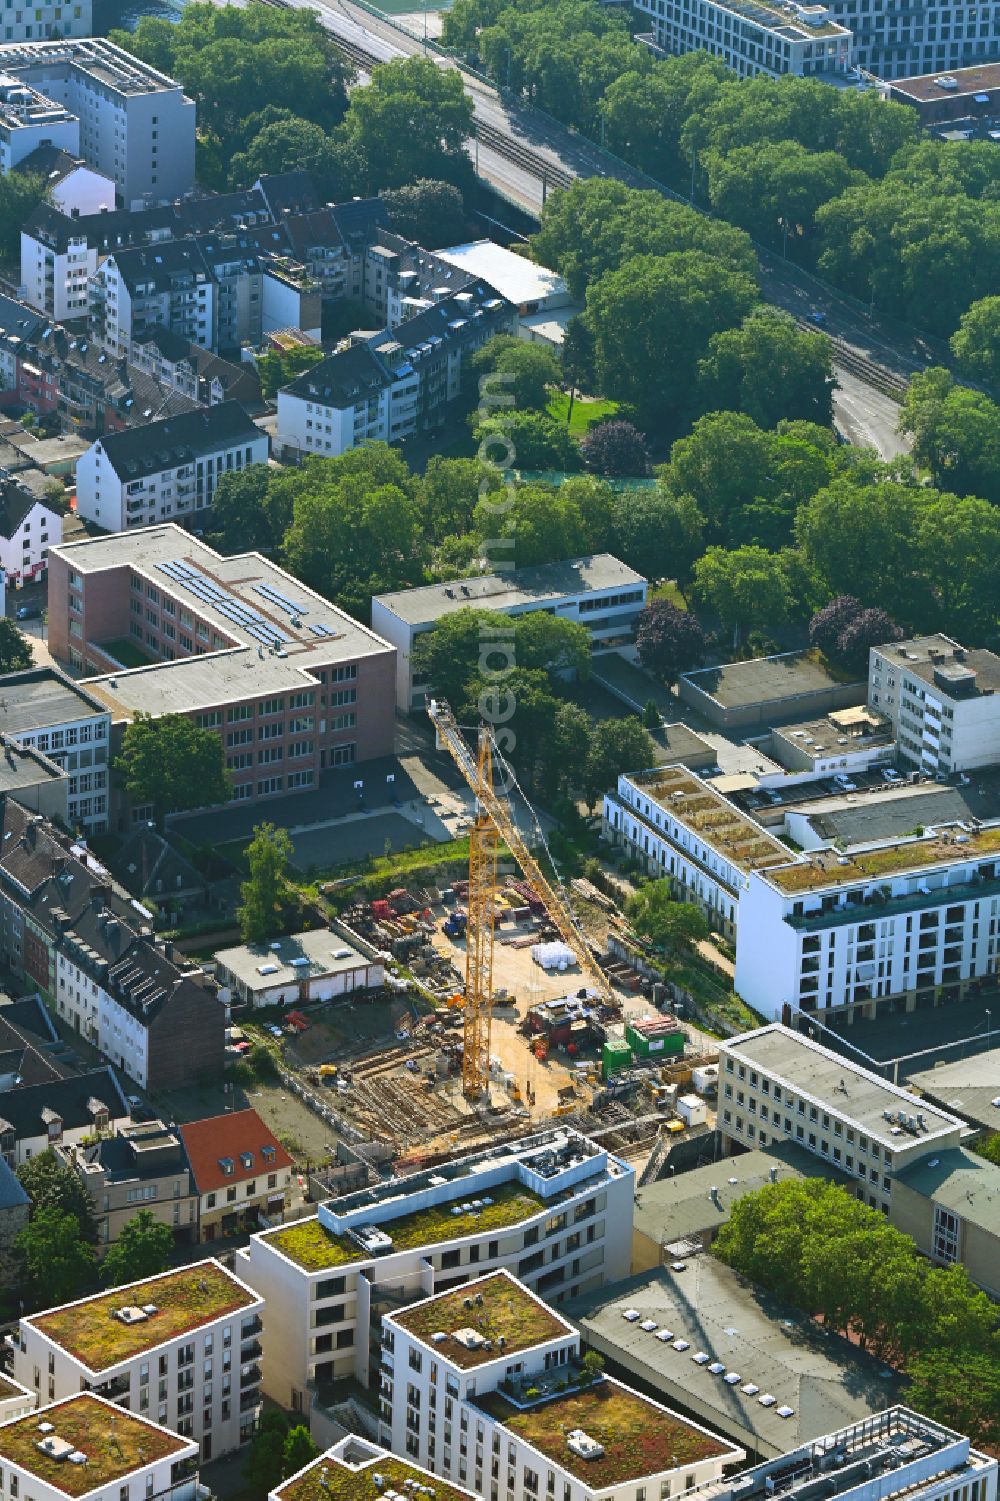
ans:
(104, 1331)
(112, 1443)
(482, 1321)
(717, 821)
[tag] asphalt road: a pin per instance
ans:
(867, 417)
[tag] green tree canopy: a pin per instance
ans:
(616, 746)
(411, 122)
(267, 857)
(51, 1184)
(142, 1250)
(525, 371)
(771, 370)
(668, 924)
(171, 764)
(657, 532)
(15, 648)
(428, 211)
(55, 1264)
(976, 342)
(298, 1451)
(543, 525)
(745, 586)
(20, 194)
(956, 433)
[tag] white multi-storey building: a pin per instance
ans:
(88, 1449)
(777, 1085)
(60, 18)
(599, 592)
(28, 527)
(182, 1350)
(555, 1208)
(485, 1386)
(136, 125)
(167, 469)
(752, 36)
(29, 120)
(943, 701)
(356, 1470)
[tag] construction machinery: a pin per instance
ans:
(495, 821)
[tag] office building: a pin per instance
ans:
(142, 1166)
(964, 94)
(292, 683)
(241, 1173)
(86, 1447)
(844, 741)
(752, 36)
(969, 1086)
(554, 1208)
(484, 1385)
(44, 710)
(166, 469)
(599, 592)
(181, 1350)
(942, 700)
(136, 126)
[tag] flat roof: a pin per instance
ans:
(115, 1441)
(639, 1436)
(777, 1350)
(884, 813)
(970, 1087)
(477, 1316)
(246, 599)
(831, 867)
(831, 734)
(734, 835)
(932, 658)
(961, 1181)
(184, 1300)
(924, 86)
(348, 1472)
(761, 680)
(324, 953)
(22, 767)
(839, 1086)
(41, 697)
(513, 276)
(102, 59)
(522, 588)
(682, 1206)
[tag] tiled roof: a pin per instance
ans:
(236, 1140)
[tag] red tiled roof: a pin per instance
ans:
(211, 1142)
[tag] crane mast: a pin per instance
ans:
(494, 821)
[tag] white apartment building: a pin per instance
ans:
(56, 269)
(181, 1350)
(136, 126)
(88, 1449)
(72, 187)
(682, 829)
(47, 711)
(355, 1468)
(166, 470)
(554, 1208)
(943, 701)
(28, 527)
(753, 36)
(15, 1400)
(63, 18)
(599, 592)
(484, 1386)
(29, 120)
(777, 1085)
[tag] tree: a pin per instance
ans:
(20, 194)
(657, 532)
(861, 539)
(958, 541)
(770, 369)
(55, 1264)
(287, 145)
(773, 190)
(746, 586)
(267, 856)
(171, 764)
(616, 746)
(652, 321)
(411, 123)
(15, 649)
(871, 627)
(428, 211)
(560, 647)
(142, 1250)
(989, 1147)
(51, 1184)
(592, 1366)
(299, 1450)
(615, 447)
(826, 625)
(533, 440)
(264, 1468)
(976, 342)
(669, 641)
(723, 463)
(450, 491)
(956, 433)
(960, 1388)
(541, 525)
(564, 751)
(472, 647)
(525, 371)
(670, 925)
(251, 509)
(652, 719)
(276, 369)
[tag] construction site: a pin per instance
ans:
(503, 1007)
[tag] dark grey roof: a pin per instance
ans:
(15, 503)
(163, 445)
(40, 697)
(18, 321)
(961, 1181)
(31, 1019)
(68, 1098)
(359, 218)
(149, 866)
(288, 192)
(342, 379)
(170, 345)
(162, 264)
(50, 162)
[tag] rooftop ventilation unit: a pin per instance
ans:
(583, 1445)
(131, 1315)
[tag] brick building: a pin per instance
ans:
(292, 684)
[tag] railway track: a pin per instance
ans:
(523, 156)
(869, 371)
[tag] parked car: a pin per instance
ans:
(29, 612)
(891, 775)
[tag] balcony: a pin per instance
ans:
(249, 1401)
(250, 1376)
(251, 1349)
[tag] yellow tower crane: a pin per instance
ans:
(494, 821)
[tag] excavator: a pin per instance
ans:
(494, 822)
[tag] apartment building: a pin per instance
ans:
(15, 1400)
(778, 1085)
(354, 1469)
(35, 1117)
(942, 700)
(136, 126)
(27, 527)
(44, 710)
(142, 1166)
(19, 325)
(292, 683)
(74, 19)
(71, 186)
(555, 1208)
(85, 1447)
(752, 36)
(190, 371)
(240, 1172)
(143, 475)
(937, 38)
(598, 592)
(67, 376)
(485, 1386)
(394, 383)
(181, 1350)
(29, 120)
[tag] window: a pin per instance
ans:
(945, 1246)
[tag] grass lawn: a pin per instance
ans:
(668, 589)
(125, 651)
(585, 413)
